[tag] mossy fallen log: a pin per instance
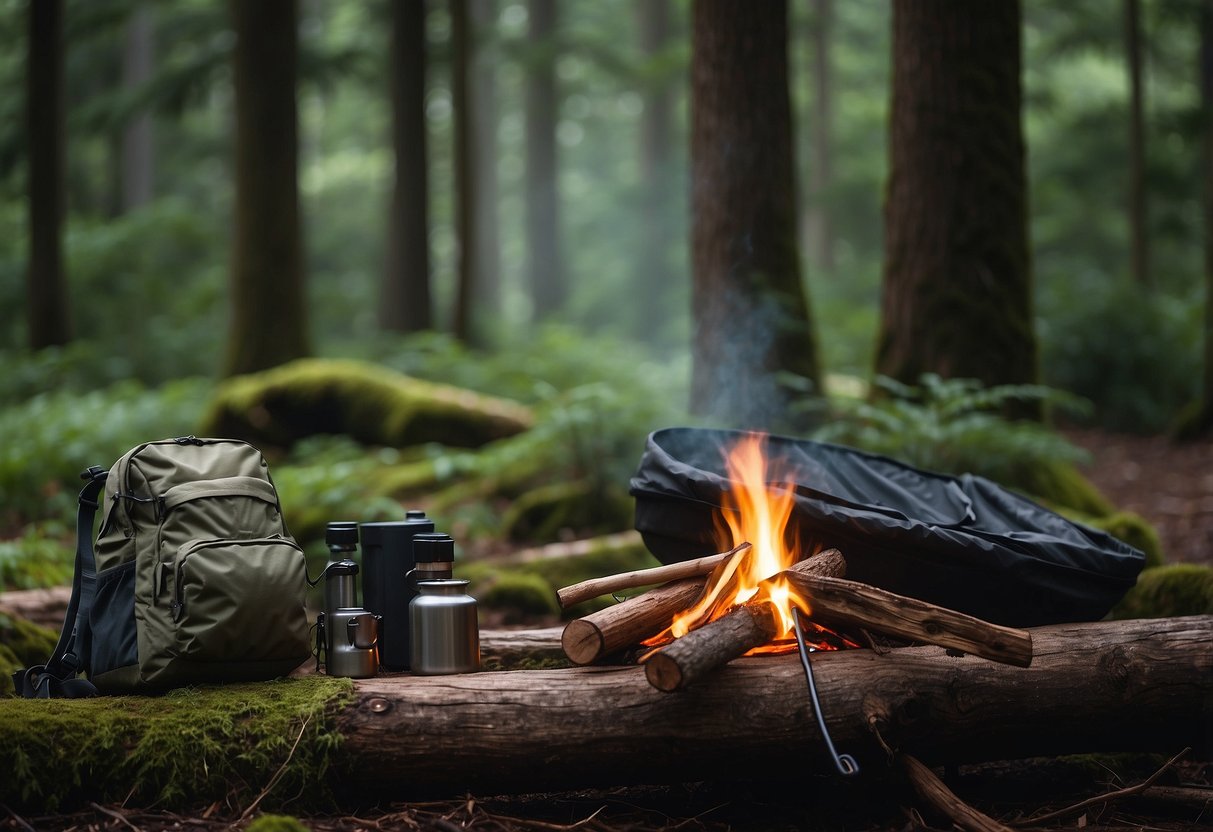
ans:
(372, 404)
(188, 748)
(1106, 686)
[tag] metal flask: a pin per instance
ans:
(354, 634)
(442, 623)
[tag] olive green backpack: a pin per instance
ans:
(194, 577)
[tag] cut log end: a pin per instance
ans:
(581, 641)
(663, 673)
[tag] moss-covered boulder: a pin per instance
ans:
(1169, 591)
(276, 823)
(372, 404)
(521, 597)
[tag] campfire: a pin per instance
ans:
(745, 600)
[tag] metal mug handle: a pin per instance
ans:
(354, 628)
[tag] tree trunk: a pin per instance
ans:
(544, 261)
(484, 141)
(1139, 254)
(138, 139)
(462, 55)
(817, 219)
(1108, 686)
(651, 295)
(404, 300)
(269, 310)
(1204, 418)
(47, 310)
(750, 311)
(957, 297)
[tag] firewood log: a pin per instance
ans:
(734, 634)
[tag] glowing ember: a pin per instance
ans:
(758, 510)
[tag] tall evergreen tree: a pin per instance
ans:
(957, 292)
(268, 304)
(751, 315)
(545, 264)
(138, 138)
(465, 171)
(1139, 247)
(651, 296)
(484, 141)
(46, 287)
(820, 234)
(405, 298)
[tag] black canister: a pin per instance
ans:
(387, 558)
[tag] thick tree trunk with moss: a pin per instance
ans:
(957, 296)
(404, 298)
(819, 230)
(269, 321)
(751, 314)
(46, 287)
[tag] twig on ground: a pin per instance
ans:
(118, 816)
(1103, 798)
(20, 821)
(277, 774)
(933, 790)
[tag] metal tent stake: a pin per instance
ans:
(845, 763)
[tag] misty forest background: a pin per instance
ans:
(534, 201)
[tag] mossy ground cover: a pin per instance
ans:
(188, 748)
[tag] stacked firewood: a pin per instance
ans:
(837, 603)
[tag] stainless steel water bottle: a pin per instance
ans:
(445, 635)
(387, 558)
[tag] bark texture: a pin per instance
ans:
(47, 313)
(1139, 237)
(484, 140)
(652, 295)
(750, 311)
(1108, 686)
(957, 296)
(405, 293)
(820, 232)
(268, 303)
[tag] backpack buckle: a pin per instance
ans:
(94, 472)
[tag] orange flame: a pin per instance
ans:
(757, 510)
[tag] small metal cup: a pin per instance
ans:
(443, 628)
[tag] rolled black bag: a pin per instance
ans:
(965, 543)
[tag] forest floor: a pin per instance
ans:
(1170, 484)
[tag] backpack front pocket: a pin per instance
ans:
(238, 603)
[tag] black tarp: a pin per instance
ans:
(965, 542)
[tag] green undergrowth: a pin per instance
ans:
(22, 644)
(1169, 591)
(527, 591)
(187, 748)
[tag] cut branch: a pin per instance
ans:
(933, 791)
(734, 634)
(575, 594)
(850, 604)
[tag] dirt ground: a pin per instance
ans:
(1169, 484)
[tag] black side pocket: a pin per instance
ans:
(112, 620)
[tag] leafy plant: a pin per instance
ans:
(44, 555)
(52, 437)
(955, 426)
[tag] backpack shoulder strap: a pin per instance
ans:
(57, 678)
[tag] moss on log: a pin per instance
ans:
(372, 404)
(189, 747)
(544, 513)
(22, 644)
